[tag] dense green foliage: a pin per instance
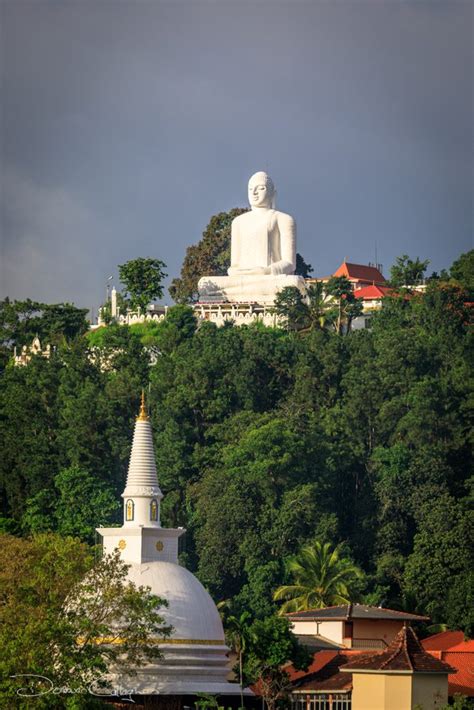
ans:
(142, 279)
(326, 305)
(407, 272)
(266, 441)
(59, 608)
(21, 321)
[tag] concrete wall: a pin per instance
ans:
(362, 629)
(376, 629)
(430, 691)
(329, 629)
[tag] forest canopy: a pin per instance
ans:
(267, 440)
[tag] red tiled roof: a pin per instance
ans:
(405, 653)
(442, 641)
(360, 272)
(450, 647)
(463, 647)
(371, 292)
(320, 659)
(462, 681)
(324, 673)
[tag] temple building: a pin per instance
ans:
(195, 655)
(403, 676)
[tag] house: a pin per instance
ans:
(450, 647)
(400, 677)
(368, 283)
(371, 297)
(350, 626)
(361, 275)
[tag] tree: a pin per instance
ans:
(407, 272)
(238, 633)
(321, 578)
(346, 306)
(79, 504)
(21, 321)
(209, 257)
(142, 279)
(290, 306)
(302, 268)
(59, 616)
(439, 570)
(314, 311)
(272, 645)
(462, 271)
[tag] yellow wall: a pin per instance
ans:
(378, 691)
(430, 691)
(394, 691)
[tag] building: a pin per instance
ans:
(195, 656)
(450, 647)
(361, 275)
(27, 352)
(400, 677)
(350, 626)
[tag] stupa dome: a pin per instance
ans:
(191, 611)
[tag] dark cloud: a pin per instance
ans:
(125, 126)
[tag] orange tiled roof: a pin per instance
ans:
(462, 681)
(368, 293)
(463, 647)
(360, 272)
(442, 641)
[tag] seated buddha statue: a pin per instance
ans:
(263, 252)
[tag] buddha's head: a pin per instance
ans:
(261, 190)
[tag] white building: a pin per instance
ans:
(195, 656)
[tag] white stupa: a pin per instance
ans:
(195, 656)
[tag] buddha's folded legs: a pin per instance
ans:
(246, 289)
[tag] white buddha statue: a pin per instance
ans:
(263, 252)
(263, 240)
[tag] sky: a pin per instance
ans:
(126, 124)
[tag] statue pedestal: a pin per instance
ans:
(246, 289)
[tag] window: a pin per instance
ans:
(154, 510)
(129, 510)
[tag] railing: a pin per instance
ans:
(321, 701)
(362, 644)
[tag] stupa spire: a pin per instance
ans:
(142, 494)
(143, 416)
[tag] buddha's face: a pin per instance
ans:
(260, 190)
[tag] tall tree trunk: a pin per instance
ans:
(241, 681)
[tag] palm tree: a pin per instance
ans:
(321, 578)
(237, 629)
(319, 312)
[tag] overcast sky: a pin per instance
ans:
(126, 124)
